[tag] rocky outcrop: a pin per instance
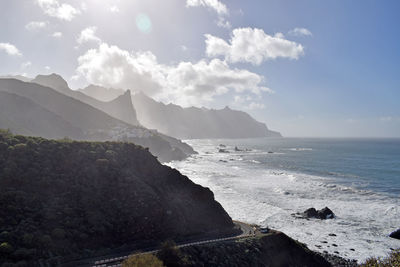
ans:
(322, 214)
(395, 234)
(273, 249)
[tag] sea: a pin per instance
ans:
(267, 180)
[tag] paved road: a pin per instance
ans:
(247, 231)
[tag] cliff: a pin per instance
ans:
(67, 199)
(193, 123)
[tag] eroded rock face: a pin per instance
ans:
(395, 234)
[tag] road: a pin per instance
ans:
(247, 231)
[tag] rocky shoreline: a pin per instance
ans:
(337, 261)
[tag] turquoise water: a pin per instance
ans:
(370, 164)
(270, 179)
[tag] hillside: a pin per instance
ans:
(119, 107)
(22, 115)
(93, 123)
(273, 249)
(66, 199)
(193, 123)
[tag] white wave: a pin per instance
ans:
(300, 149)
(364, 219)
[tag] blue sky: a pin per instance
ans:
(337, 75)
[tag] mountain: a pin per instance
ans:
(68, 199)
(22, 115)
(121, 107)
(18, 77)
(102, 93)
(189, 123)
(93, 123)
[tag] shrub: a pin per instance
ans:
(148, 260)
(392, 260)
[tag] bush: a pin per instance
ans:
(392, 260)
(5, 248)
(148, 260)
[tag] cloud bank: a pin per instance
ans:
(185, 83)
(252, 46)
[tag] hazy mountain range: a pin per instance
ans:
(188, 123)
(46, 106)
(27, 107)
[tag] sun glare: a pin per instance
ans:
(143, 23)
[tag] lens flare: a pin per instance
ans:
(143, 23)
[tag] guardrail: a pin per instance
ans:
(118, 260)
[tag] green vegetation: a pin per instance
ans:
(171, 256)
(148, 260)
(64, 199)
(392, 260)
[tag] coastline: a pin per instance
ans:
(252, 192)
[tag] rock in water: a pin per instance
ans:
(326, 213)
(322, 214)
(310, 213)
(395, 234)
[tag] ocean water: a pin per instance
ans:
(358, 179)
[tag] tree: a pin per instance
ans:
(148, 260)
(171, 255)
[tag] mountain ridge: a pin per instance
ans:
(191, 122)
(94, 123)
(121, 107)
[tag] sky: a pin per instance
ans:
(306, 68)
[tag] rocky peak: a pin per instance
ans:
(54, 81)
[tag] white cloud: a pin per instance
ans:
(184, 83)
(47, 68)
(10, 49)
(300, 32)
(57, 34)
(62, 11)
(35, 25)
(252, 45)
(26, 64)
(223, 23)
(216, 5)
(88, 35)
(114, 9)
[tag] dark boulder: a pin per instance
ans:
(395, 234)
(322, 214)
(326, 213)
